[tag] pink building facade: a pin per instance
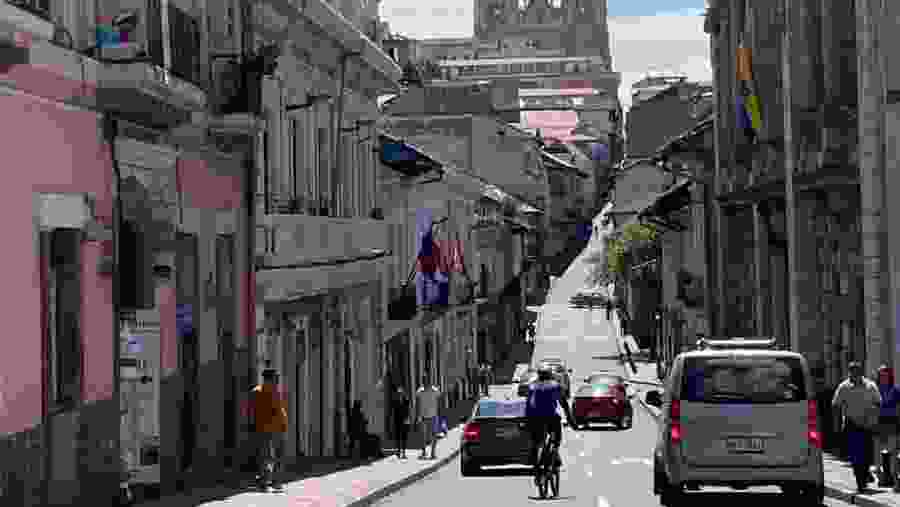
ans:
(71, 418)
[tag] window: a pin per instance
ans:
(501, 408)
(184, 44)
(63, 297)
(294, 183)
(225, 265)
(321, 169)
(743, 380)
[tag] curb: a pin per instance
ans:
(835, 492)
(393, 487)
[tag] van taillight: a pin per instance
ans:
(472, 432)
(812, 425)
(675, 421)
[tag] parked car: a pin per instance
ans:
(496, 433)
(604, 398)
(520, 370)
(753, 422)
(526, 380)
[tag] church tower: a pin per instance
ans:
(532, 28)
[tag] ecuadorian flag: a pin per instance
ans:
(748, 105)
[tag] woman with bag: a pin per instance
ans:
(401, 410)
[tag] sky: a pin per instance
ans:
(645, 35)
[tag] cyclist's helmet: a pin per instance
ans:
(545, 373)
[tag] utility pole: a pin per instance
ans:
(871, 95)
(790, 160)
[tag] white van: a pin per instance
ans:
(739, 413)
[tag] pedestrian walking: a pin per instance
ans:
(860, 401)
(270, 424)
(357, 427)
(888, 420)
(427, 398)
(401, 413)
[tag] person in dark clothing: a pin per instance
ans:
(401, 414)
(544, 397)
(357, 426)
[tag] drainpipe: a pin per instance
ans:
(338, 121)
(790, 162)
(111, 132)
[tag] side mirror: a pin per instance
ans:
(570, 370)
(463, 419)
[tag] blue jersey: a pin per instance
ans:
(543, 398)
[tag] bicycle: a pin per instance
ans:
(547, 475)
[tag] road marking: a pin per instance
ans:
(601, 502)
(632, 461)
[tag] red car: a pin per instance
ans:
(603, 399)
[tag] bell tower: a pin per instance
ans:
(541, 28)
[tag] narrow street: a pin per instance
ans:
(603, 467)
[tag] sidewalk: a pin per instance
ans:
(839, 481)
(334, 483)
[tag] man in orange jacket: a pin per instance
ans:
(271, 422)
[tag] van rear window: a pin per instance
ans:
(743, 380)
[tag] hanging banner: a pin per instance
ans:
(184, 319)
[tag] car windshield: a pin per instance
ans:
(595, 390)
(501, 408)
(743, 380)
(603, 379)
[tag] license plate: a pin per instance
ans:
(745, 445)
(507, 432)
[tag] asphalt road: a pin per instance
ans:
(603, 467)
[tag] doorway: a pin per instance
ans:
(186, 279)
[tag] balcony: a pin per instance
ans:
(285, 17)
(139, 80)
(31, 16)
(301, 255)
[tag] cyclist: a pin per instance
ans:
(544, 396)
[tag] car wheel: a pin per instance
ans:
(579, 424)
(811, 496)
(670, 495)
(468, 469)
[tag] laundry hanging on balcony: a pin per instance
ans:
(432, 277)
(749, 116)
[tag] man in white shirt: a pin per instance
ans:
(426, 413)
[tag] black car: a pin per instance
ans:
(495, 434)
